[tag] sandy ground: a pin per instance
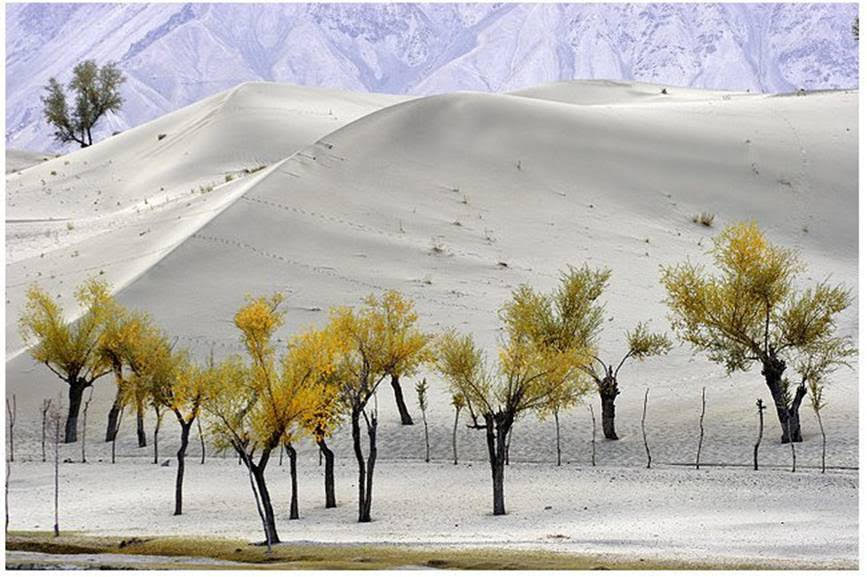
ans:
(357, 193)
(17, 160)
(666, 513)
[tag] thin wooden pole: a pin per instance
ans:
(701, 430)
(643, 430)
(761, 407)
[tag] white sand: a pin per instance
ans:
(17, 160)
(611, 182)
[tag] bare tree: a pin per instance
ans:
(46, 406)
(701, 430)
(114, 438)
(421, 393)
(84, 426)
(55, 421)
(458, 402)
(761, 406)
(11, 413)
(158, 412)
(643, 430)
(8, 473)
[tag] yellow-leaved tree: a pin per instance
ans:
(544, 349)
(69, 350)
(372, 343)
(749, 311)
(251, 408)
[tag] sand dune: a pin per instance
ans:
(454, 200)
(17, 160)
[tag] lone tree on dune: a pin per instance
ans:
(751, 312)
(378, 338)
(70, 351)
(250, 409)
(96, 91)
(545, 344)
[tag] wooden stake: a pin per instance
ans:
(643, 430)
(701, 431)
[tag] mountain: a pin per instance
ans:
(176, 54)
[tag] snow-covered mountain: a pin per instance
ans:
(175, 54)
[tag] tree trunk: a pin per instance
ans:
(293, 473)
(182, 453)
(608, 391)
(267, 509)
(593, 438)
(359, 458)
(822, 431)
(84, 427)
(700, 431)
(111, 427)
(497, 429)
(156, 438)
(371, 462)
(139, 426)
(426, 441)
(201, 439)
(643, 429)
(787, 414)
(330, 500)
(76, 390)
(57, 475)
(405, 418)
(455, 436)
(557, 428)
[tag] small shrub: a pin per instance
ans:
(704, 219)
(53, 173)
(69, 226)
(230, 177)
(161, 136)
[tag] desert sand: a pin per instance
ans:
(456, 200)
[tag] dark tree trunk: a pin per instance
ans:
(293, 473)
(201, 439)
(330, 500)
(405, 418)
(111, 427)
(159, 418)
(76, 390)
(182, 453)
(608, 391)
(139, 426)
(787, 413)
(455, 436)
(267, 509)
(557, 428)
(365, 469)
(497, 428)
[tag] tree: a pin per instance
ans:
(376, 340)
(250, 409)
(122, 331)
(408, 368)
(309, 372)
(546, 343)
(750, 312)
(641, 344)
(11, 414)
(182, 387)
(70, 351)
(814, 366)
(855, 31)
(96, 90)
(458, 402)
(421, 395)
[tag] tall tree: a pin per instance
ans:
(545, 345)
(750, 312)
(378, 338)
(250, 409)
(70, 351)
(96, 91)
